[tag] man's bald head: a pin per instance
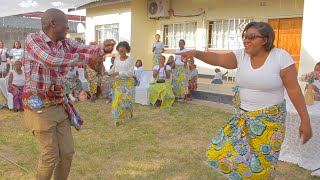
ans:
(55, 24)
(50, 15)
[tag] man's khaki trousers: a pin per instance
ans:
(51, 128)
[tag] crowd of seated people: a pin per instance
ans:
(100, 85)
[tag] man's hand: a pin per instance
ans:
(108, 46)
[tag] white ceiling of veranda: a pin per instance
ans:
(14, 7)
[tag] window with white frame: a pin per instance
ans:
(107, 31)
(172, 33)
(226, 34)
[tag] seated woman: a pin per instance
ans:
(73, 84)
(193, 77)
(161, 88)
(218, 77)
(138, 70)
(316, 83)
(16, 83)
(171, 62)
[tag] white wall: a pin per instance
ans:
(118, 13)
(124, 20)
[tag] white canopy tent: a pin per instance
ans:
(14, 7)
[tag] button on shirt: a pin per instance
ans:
(46, 63)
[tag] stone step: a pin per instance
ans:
(220, 93)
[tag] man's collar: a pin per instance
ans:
(45, 37)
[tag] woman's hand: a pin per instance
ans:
(305, 131)
(185, 56)
(115, 74)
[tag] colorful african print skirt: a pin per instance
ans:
(93, 80)
(180, 82)
(162, 90)
(248, 146)
(122, 102)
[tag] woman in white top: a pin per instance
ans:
(122, 72)
(180, 74)
(16, 83)
(248, 145)
(157, 49)
(4, 69)
(218, 76)
(17, 52)
(193, 78)
(160, 90)
(138, 70)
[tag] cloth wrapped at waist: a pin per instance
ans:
(53, 97)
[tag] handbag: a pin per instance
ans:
(161, 81)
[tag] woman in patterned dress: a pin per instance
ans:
(180, 74)
(161, 91)
(248, 146)
(193, 77)
(157, 50)
(122, 72)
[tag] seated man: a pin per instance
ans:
(160, 89)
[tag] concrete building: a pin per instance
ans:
(208, 25)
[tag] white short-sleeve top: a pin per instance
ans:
(17, 53)
(179, 61)
(162, 73)
(218, 75)
(18, 79)
(158, 45)
(3, 52)
(261, 87)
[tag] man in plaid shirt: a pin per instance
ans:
(48, 56)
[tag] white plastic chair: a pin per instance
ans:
(4, 89)
(141, 91)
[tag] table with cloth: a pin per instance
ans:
(306, 156)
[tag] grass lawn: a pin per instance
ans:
(155, 144)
